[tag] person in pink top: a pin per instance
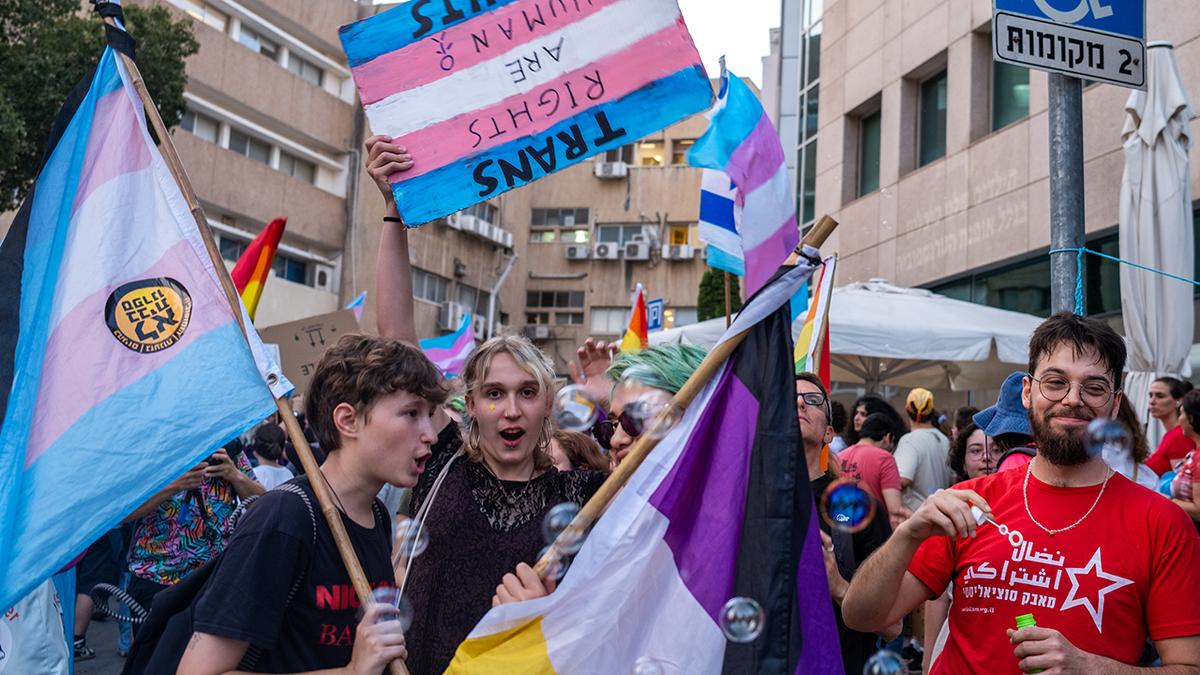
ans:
(870, 464)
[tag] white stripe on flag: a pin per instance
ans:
(768, 207)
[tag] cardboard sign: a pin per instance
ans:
(302, 342)
(488, 96)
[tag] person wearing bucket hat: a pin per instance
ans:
(1007, 423)
(921, 454)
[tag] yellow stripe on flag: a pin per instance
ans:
(517, 651)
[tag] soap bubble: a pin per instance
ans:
(1104, 434)
(884, 662)
(742, 620)
(647, 407)
(647, 666)
(847, 507)
(411, 539)
(557, 570)
(387, 595)
(557, 521)
(573, 410)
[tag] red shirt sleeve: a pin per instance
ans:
(933, 565)
(1173, 447)
(1175, 574)
(889, 475)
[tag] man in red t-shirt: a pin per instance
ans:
(870, 463)
(1100, 563)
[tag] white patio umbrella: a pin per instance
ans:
(880, 333)
(1156, 231)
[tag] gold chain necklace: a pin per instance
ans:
(1025, 494)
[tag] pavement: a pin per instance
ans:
(102, 637)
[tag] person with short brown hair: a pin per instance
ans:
(575, 450)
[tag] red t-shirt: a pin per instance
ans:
(1130, 569)
(1174, 447)
(874, 469)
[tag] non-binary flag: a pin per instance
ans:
(357, 305)
(449, 352)
(722, 508)
(816, 325)
(491, 96)
(253, 268)
(636, 335)
(741, 141)
(121, 361)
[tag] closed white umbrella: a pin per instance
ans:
(1156, 231)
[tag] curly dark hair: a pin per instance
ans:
(875, 404)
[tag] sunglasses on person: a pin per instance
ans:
(603, 431)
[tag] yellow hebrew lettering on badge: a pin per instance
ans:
(517, 651)
(149, 315)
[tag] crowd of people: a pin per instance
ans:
(477, 470)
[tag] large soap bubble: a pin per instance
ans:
(884, 662)
(387, 595)
(1107, 435)
(647, 407)
(846, 506)
(557, 521)
(742, 620)
(573, 410)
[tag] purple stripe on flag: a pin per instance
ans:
(822, 651)
(757, 158)
(764, 259)
(704, 495)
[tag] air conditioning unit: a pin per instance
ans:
(470, 223)
(637, 249)
(479, 327)
(611, 169)
(536, 332)
(460, 268)
(450, 316)
(452, 221)
(677, 252)
(323, 278)
(607, 251)
(578, 252)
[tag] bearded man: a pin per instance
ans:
(1100, 562)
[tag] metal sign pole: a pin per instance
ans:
(1066, 187)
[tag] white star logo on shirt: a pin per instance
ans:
(1097, 610)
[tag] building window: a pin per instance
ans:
(554, 299)
(675, 317)
(249, 147)
(932, 132)
(537, 318)
(475, 300)
(808, 188)
(204, 12)
(568, 318)
(609, 320)
(429, 286)
(258, 43)
(679, 150)
(287, 268)
(231, 248)
(870, 134)
(305, 69)
(621, 154)
(541, 236)
(1010, 94)
(297, 168)
(567, 217)
(483, 211)
(201, 125)
(652, 153)
(618, 234)
(677, 234)
(574, 236)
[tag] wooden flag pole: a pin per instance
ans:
(674, 410)
(728, 309)
(361, 586)
(824, 328)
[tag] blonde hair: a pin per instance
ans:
(534, 362)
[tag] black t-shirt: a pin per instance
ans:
(856, 647)
(246, 599)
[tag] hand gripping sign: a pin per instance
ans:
(488, 95)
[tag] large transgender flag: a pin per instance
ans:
(491, 96)
(121, 362)
(449, 352)
(742, 143)
(721, 508)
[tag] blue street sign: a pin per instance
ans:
(1120, 17)
(654, 315)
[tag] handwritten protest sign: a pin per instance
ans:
(489, 95)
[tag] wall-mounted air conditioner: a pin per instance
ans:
(611, 169)
(450, 315)
(578, 252)
(607, 251)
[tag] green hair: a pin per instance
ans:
(666, 366)
(458, 404)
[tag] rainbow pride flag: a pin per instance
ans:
(636, 337)
(121, 362)
(449, 352)
(816, 325)
(741, 142)
(253, 268)
(491, 96)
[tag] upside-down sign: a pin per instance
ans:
(488, 95)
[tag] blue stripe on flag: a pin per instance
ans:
(67, 475)
(717, 210)
(399, 27)
(447, 341)
(728, 128)
(654, 106)
(723, 260)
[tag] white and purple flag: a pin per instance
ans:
(491, 96)
(121, 362)
(761, 221)
(721, 508)
(449, 352)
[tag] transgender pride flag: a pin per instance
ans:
(741, 142)
(121, 362)
(449, 352)
(721, 508)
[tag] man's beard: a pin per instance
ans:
(1061, 448)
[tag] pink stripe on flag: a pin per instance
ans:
(115, 146)
(757, 159)
(619, 73)
(764, 259)
(420, 63)
(444, 357)
(83, 349)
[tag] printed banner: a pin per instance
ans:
(491, 96)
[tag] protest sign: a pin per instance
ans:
(302, 342)
(488, 95)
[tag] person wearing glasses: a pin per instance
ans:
(1099, 562)
(973, 454)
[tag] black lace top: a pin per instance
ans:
(479, 529)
